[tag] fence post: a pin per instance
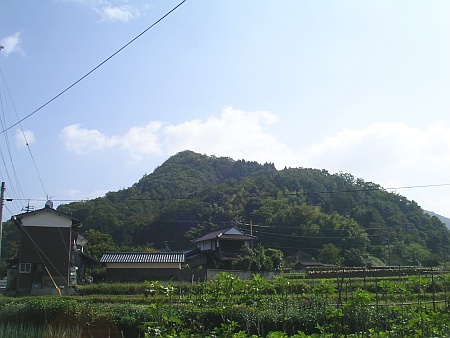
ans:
(433, 289)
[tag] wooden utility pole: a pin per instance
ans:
(2, 200)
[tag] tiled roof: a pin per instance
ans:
(142, 257)
(222, 235)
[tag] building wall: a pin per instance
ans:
(205, 246)
(49, 247)
(46, 218)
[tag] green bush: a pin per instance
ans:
(111, 289)
(31, 331)
(61, 312)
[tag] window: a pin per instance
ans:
(25, 267)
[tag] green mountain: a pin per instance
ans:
(307, 213)
(443, 219)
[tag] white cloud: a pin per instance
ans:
(11, 44)
(113, 10)
(389, 154)
(392, 155)
(138, 141)
(392, 145)
(24, 137)
(234, 133)
(118, 13)
(141, 141)
(83, 141)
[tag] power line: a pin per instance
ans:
(291, 236)
(420, 186)
(24, 137)
(95, 68)
(300, 193)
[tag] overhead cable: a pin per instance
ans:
(95, 68)
(299, 193)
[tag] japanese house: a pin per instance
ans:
(48, 259)
(219, 248)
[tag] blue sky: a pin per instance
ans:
(360, 87)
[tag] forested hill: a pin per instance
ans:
(307, 213)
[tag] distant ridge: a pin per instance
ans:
(307, 213)
(443, 219)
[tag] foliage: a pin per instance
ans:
(10, 240)
(98, 243)
(304, 212)
(97, 319)
(47, 331)
(330, 254)
(111, 289)
(230, 307)
(259, 259)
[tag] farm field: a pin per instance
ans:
(293, 305)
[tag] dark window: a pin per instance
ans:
(25, 267)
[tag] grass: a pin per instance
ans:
(34, 331)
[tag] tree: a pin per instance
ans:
(191, 191)
(353, 257)
(259, 259)
(98, 243)
(330, 254)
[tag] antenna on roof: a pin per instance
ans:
(49, 203)
(28, 208)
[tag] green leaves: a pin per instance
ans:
(301, 209)
(259, 259)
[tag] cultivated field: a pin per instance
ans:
(340, 303)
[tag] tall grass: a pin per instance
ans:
(35, 331)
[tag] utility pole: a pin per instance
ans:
(2, 200)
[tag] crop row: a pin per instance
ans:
(230, 307)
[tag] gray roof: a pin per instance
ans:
(223, 235)
(142, 257)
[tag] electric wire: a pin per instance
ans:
(24, 137)
(11, 176)
(13, 185)
(4, 128)
(95, 68)
(41, 253)
(252, 195)
(313, 237)
(4, 124)
(8, 148)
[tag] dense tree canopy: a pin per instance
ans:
(300, 211)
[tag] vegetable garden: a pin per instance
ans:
(292, 305)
